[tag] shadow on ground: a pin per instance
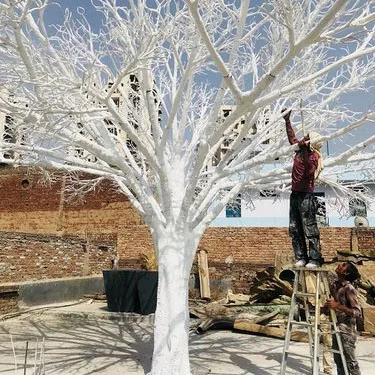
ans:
(242, 354)
(81, 346)
(78, 345)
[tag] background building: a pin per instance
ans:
(271, 209)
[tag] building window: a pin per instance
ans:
(217, 157)
(110, 127)
(321, 215)
(134, 91)
(9, 136)
(357, 207)
(116, 101)
(78, 152)
(227, 142)
(233, 209)
(267, 193)
(226, 112)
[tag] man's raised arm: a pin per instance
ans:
(288, 126)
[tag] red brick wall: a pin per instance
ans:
(30, 207)
(250, 249)
(40, 208)
(255, 247)
(366, 240)
(28, 192)
(106, 217)
(33, 257)
(259, 246)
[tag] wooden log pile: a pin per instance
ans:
(214, 316)
(267, 287)
(271, 286)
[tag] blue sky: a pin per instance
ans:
(358, 102)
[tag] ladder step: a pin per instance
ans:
(303, 294)
(310, 270)
(305, 324)
(321, 346)
(320, 356)
(297, 323)
(294, 352)
(336, 351)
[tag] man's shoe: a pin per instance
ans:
(300, 263)
(312, 265)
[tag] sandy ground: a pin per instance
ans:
(85, 339)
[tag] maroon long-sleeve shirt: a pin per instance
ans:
(304, 165)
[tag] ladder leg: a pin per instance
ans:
(326, 326)
(289, 324)
(316, 326)
(337, 333)
(308, 316)
(314, 323)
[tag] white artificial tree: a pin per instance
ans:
(174, 65)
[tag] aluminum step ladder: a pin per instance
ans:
(312, 302)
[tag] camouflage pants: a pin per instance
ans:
(303, 226)
(348, 342)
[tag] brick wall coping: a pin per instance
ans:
(15, 286)
(9, 287)
(60, 279)
(42, 237)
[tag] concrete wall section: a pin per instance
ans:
(8, 298)
(58, 290)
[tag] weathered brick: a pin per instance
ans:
(44, 236)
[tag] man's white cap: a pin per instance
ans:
(315, 144)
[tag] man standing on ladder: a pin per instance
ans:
(303, 204)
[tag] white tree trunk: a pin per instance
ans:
(176, 249)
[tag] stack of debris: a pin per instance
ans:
(224, 314)
(271, 288)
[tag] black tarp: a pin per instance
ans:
(131, 290)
